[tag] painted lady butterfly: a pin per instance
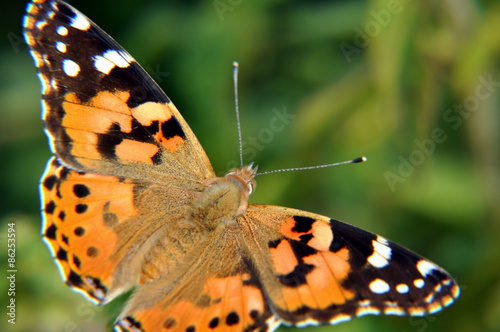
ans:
(131, 199)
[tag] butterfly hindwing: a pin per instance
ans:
(78, 230)
(215, 291)
(328, 271)
(95, 224)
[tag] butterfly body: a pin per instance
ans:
(130, 200)
(223, 200)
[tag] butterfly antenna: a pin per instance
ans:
(353, 161)
(235, 79)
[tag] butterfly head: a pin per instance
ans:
(245, 176)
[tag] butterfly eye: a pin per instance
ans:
(251, 186)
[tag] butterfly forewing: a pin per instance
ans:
(102, 112)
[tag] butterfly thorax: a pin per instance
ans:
(224, 199)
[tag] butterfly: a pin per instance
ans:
(130, 200)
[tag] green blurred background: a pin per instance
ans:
(401, 82)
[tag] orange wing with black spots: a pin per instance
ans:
(78, 230)
(98, 228)
(318, 270)
(219, 290)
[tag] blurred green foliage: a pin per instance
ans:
(401, 82)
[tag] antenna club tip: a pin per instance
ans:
(236, 64)
(360, 159)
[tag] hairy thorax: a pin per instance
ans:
(223, 200)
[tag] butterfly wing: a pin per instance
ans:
(216, 288)
(317, 270)
(126, 162)
(102, 112)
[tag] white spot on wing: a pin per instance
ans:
(71, 68)
(449, 300)
(45, 113)
(382, 240)
(53, 84)
(390, 303)
(419, 283)
(272, 322)
(381, 254)
(394, 310)
(425, 267)
(30, 7)
(103, 65)
(98, 292)
(111, 58)
(120, 58)
(362, 311)
(45, 83)
(377, 261)
(306, 322)
(61, 47)
(429, 298)
(26, 19)
(41, 24)
(126, 56)
(87, 296)
(364, 303)
(340, 319)
(379, 286)
(45, 60)
(402, 288)
(36, 57)
(418, 311)
(62, 31)
(435, 309)
(80, 22)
